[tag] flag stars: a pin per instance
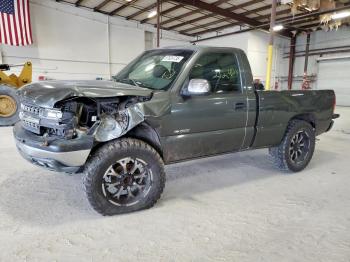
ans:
(7, 6)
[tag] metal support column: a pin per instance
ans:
(291, 61)
(158, 23)
(109, 48)
(307, 49)
(306, 83)
(270, 48)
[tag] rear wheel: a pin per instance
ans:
(123, 176)
(9, 113)
(297, 147)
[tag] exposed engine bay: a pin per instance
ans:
(103, 118)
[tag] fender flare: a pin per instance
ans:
(148, 134)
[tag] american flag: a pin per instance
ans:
(15, 28)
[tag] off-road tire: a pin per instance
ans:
(11, 92)
(106, 156)
(280, 154)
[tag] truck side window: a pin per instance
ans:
(220, 69)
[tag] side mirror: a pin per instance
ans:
(198, 87)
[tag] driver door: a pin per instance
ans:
(203, 125)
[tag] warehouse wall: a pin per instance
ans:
(255, 45)
(257, 55)
(329, 71)
(319, 39)
(238, 41)
(73, 43)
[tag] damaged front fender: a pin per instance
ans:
(114, 126)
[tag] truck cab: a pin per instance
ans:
(213, 107)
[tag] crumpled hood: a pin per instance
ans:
(48, 93)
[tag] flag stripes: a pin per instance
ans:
(15, 27)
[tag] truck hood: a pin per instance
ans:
(48, 93)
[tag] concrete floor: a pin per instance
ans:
(235, 207)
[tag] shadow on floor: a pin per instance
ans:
(214, 173)
(44, 198)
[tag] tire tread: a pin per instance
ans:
(277, 153)
(110, 148)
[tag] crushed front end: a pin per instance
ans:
(61, 138)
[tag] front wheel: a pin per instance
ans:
(297, 147)
(123, 176)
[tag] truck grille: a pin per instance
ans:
(30, 117)
(35, 119)
(30, 109)
(31, 125)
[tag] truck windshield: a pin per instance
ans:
(155, 69)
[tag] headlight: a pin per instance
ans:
(51, 113)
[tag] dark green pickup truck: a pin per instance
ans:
(168, 105)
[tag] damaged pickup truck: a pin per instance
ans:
(168, 105)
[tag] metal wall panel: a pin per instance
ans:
(335, 74)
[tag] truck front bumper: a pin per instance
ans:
(61, 155)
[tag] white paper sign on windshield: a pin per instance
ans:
(173, 58)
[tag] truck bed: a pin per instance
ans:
(276, 108)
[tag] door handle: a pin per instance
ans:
(240, 106)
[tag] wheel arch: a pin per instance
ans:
(143, 132)
(147, 134)
(307, 117)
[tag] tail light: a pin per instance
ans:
(334, 102)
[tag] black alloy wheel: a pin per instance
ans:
(127, 181)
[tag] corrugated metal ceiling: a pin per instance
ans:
(194, 17)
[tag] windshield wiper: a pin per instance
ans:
(128, 81)
(134, 82)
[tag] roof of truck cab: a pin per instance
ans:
(201, 48)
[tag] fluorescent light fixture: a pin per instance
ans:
(152, 14)
(278, 27)
(285, 2)
(340, 15)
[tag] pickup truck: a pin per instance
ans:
(168, 105)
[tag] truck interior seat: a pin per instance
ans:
(159, 71)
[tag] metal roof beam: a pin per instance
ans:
(77, 3)
(223, 20)
(219, 2)
(287, 11)
(122, 7)
(98, 7)
(219, 11)
(291, 20)
(162, 13)
(210, 15)
(147, 8)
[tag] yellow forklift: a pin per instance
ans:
(9, 84)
